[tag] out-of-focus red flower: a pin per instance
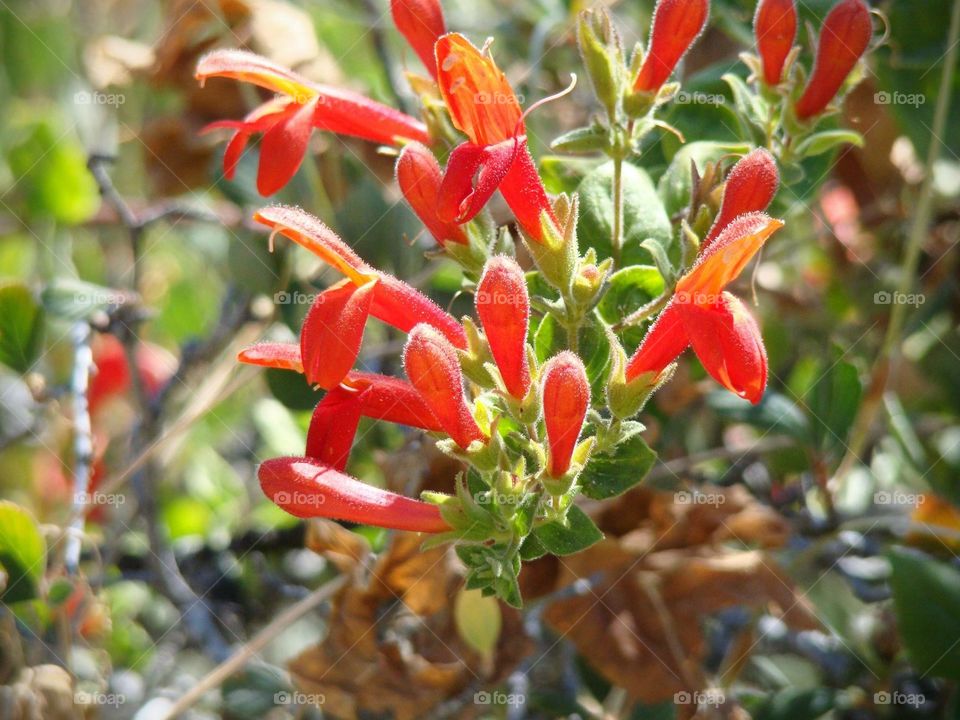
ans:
(721, 330)
(286, 121)
(112, 371)
(332, 331)
(419, 177)
(503, 307)
(775, 28)
(676, 25)
(844, 37)
(306, 488)
(434, 370)
(421, 23)
(484, 107)
(566, 398)
(751, 186)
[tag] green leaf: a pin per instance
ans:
(532, 548)
(594, 350)
(607, 475)
(72, 299)
(22, 553)
(774, 413)
(579, 533)
(628, 290)
(825, 141)
(549, 338)
(291, 388)
(926, 597)
(833, 403)
(643, 213)
(21, 327)
(478, 620)
(675, 184)
(796, 704)
(50, 169)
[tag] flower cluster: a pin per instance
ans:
(527, 419)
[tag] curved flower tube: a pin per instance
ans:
(844, 38)
(566, 398)
(419, 177)
(775, 28)
(750, 187)
(723, 334)
(333, 329)
(381, 397)
(503, 307)
(434, 370)
(484, 107)
(421, 23)
(306, 488)
(676, 26)
(287, 121)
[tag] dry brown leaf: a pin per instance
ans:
(393, 646)
(664, 567)
(345, 549)
(113, 61)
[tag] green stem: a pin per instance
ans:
(918, 231)
(616, 241)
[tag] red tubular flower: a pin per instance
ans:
(676, 25)
(484, 107)
(434, 370)
(504, 310)
(566, 398)
(286, 121)
(419, 177)
(332, 332)
(381, 397)
(775, 27)
(421, 23)
(721, 330)
(333, 426)
(307, 488)
(750, 187)
(844, 37)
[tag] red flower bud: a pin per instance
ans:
(775, 27)
(504, 310)
(676, 25)
(751, 186)
(419, 177)
(307, 488)
(421, 23)
(566, 397)
(844, 37)
(333, 427)
(434, 370)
